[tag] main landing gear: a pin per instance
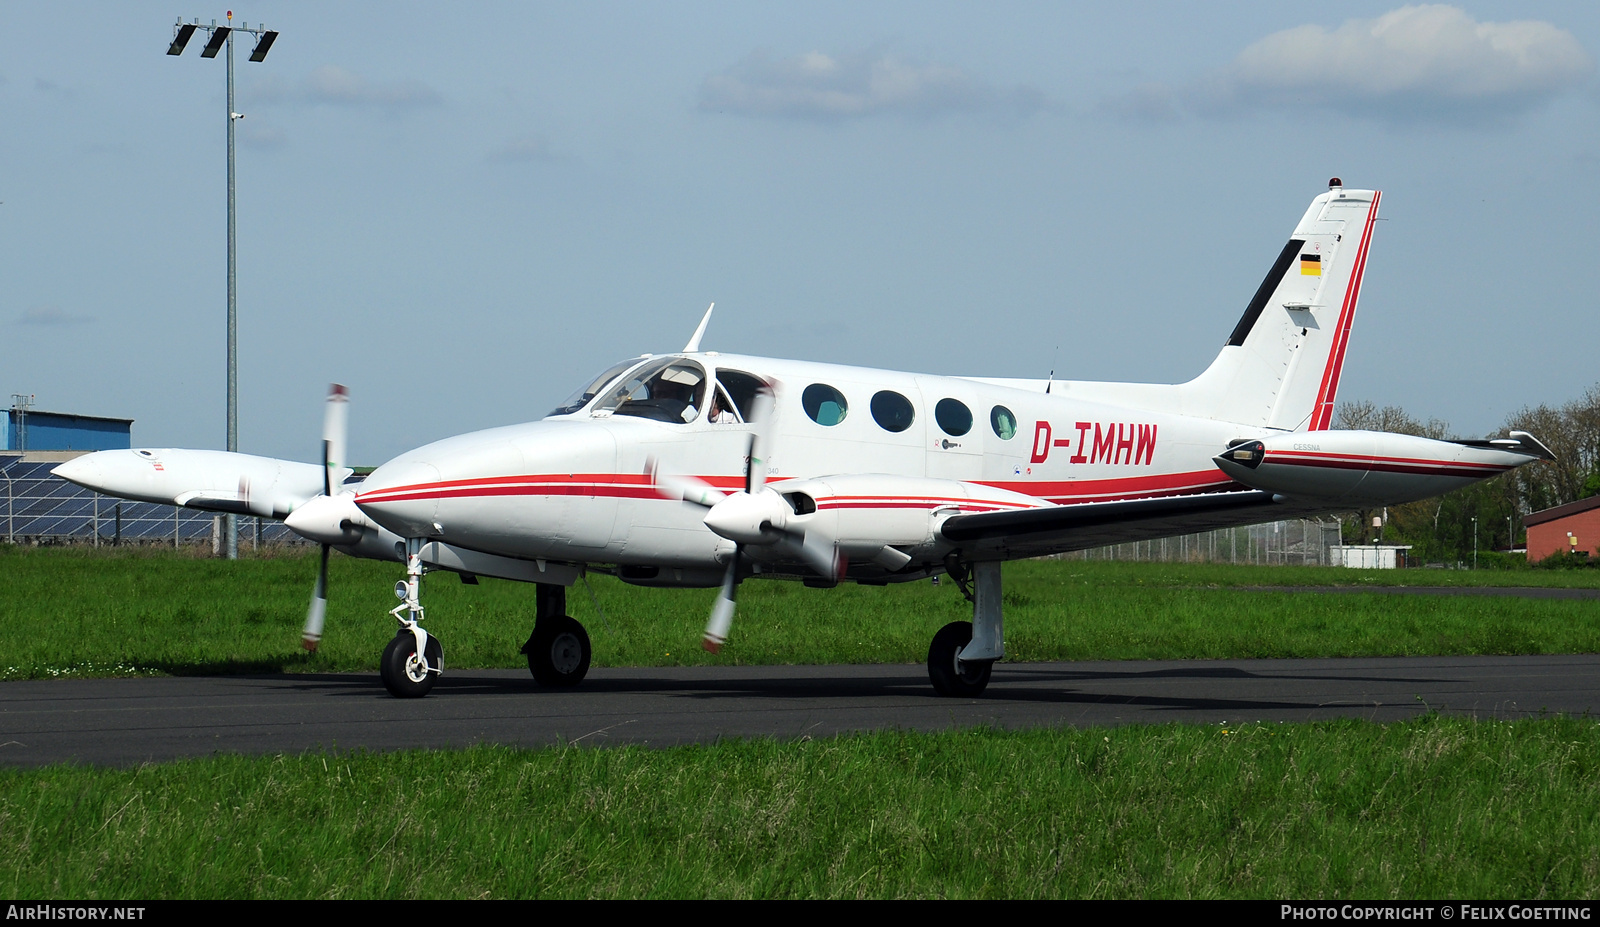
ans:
(558, 649)
(414, 660)
(963, 652)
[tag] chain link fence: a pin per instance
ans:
(1295, 542)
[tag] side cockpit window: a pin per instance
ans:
(739, 389)
(667, 390)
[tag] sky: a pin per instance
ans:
(462, 211)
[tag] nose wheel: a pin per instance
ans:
(404, 673)
(558, 652)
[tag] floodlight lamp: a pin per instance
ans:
(218, 36)
(263, 46)
(181, 39)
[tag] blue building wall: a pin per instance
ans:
(57, 431)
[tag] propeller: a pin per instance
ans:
(334, 417)
(757, 516)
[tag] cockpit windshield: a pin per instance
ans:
(670, 389)
(581, 398)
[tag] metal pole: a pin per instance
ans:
(231, 524)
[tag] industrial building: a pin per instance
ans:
(32, 430)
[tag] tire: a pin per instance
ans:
(401, 670)
(558, 652)
(950, 677)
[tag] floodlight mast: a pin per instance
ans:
(217, 37)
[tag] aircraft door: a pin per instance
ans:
(956, 428)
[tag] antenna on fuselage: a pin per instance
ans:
(694, 343)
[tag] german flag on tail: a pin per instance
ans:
(1310, 265)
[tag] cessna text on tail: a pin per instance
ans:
(704, 469)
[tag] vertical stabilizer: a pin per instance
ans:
(1280, 367)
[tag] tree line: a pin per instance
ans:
(1442, 528)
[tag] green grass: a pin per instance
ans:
(81, 612)
(1434, 808)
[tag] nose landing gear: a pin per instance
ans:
(414, 659)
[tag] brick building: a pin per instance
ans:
(1554, 530)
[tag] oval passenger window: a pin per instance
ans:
(1004, 422)
(953, 416)
(892, 411)
(824, 404)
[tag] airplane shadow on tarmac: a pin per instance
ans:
(874, 687)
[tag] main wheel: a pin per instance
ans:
(403, 674)
(950, 676)
(558, 652)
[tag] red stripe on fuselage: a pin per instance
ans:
(638, 486)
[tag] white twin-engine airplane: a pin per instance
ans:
(703, 469)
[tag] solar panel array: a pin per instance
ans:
(41, 507)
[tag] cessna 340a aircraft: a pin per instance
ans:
(703, 469)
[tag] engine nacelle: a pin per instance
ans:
(887, 519)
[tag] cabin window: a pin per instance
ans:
(892, 411)
(1004, 422)
(953, 416)
(824, 404)
(585, 393)
(671, 389)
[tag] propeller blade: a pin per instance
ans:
(334, 432)
(821, 553)
(759, 415)
(722, 610)
(319, 607)
(689, 489)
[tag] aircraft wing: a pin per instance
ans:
(1055, 529)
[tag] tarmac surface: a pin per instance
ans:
(125, 722)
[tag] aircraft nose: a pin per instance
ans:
(403, 496)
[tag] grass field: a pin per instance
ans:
(1427, 809)
(81, 612)
(1435, 808)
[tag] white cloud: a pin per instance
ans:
(1416, 61)
(52, 316)
(334, 86)
(826, 87)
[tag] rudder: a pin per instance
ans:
(1280, 367)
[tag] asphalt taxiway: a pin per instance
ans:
(124, 722)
